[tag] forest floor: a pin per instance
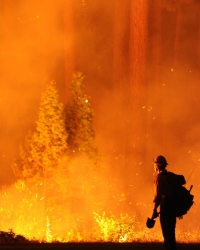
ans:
(94, 246)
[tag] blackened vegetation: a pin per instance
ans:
(11, 237)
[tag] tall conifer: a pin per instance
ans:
(79, 119)
(46, 146)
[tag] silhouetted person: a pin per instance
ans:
(165, 185)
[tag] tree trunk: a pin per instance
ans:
(68, 42)
(120, 78)
(154, 125)
(177, 41)
(198, 56)
(120, 61)
(138, 59)
(156, 42)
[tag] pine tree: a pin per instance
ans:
(45, 147)
(79, 119)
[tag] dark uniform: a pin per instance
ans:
(165, 184)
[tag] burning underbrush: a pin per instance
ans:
(75, 204)
(81, 210)
(25, 209)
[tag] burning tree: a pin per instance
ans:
(57, 162)
(79, 120)
(44, 148)
(43, 161)
(58, 176)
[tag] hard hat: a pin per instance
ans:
(160, 160)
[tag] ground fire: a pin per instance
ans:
(79, 218)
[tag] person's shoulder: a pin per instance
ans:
(169, 173)
(166, 176)
(165, 173)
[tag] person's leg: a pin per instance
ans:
(171, 232)
(168, 224)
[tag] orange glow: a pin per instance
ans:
(81, 205)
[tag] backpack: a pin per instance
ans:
(182, 201)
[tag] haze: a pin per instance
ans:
(44, 40)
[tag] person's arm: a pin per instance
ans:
(157, 198)
(155, 212)
(156, 205)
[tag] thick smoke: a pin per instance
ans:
(31, 55)
(31, 44)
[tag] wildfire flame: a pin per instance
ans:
(26, 210)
